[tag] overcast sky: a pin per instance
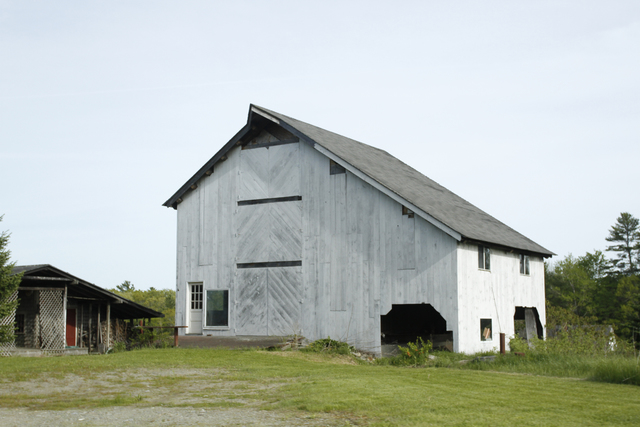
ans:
(529, 110)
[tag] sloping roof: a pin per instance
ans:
(397, 177)
(46, 275)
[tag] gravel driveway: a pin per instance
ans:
(159, 416)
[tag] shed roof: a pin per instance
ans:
(434, 202)
(48, 276)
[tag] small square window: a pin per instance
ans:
(485, 330)
(218, 308)
(524, 264)
(484, 258)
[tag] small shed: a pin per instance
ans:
(60, 313)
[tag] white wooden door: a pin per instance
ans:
(195, 308)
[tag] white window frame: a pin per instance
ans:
(490, 327)
(195, 304)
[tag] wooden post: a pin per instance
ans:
(99, 332)
(175, 336)
(90, 324)
(502, 343)
(64, 317)
(108, 325)
(81, 324)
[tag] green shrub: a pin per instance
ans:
(414, 354)
(119, 347)
(327, 345)
(578, 340)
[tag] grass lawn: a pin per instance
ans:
(294, 381)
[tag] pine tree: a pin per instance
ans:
(8, 285)
(626, 236)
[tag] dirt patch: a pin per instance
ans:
(148, 396)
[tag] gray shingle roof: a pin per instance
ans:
(412, 186)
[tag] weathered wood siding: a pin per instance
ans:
(495, 294)
(360, 254)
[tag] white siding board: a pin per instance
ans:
(254, 233)
(284, 300)
(252, 302)
(284, 170)
(254, 173)
(339, 265)
(494, 295)
(285, 231)
(227, 175)
(406, 243)
(323, 297)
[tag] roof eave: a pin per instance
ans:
(544, 254)
(76, 281)
(173, 200)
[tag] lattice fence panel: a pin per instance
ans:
(7, 348)
(52, 320)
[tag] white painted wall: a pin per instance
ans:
(494, 295)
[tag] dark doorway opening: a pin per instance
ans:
(527, 323)
(406, 322)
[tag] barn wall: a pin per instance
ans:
(495, 294)
(206, 239)
(360, 254)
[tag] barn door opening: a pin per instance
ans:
(527, 323)
(406, 322)
(195, 308)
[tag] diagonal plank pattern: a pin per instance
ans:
(254, 230)
(252, 302)
(254, 174)
(286, 231)
(284, 170)
(268, 301)
(284, 300)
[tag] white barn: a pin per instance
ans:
(292, 229)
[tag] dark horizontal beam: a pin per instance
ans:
(269, 264)
(270, 144)
(273, 200)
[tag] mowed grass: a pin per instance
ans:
(363, 394)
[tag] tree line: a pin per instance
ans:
(596, 289)
(161, 300)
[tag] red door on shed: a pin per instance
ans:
(71, 327)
